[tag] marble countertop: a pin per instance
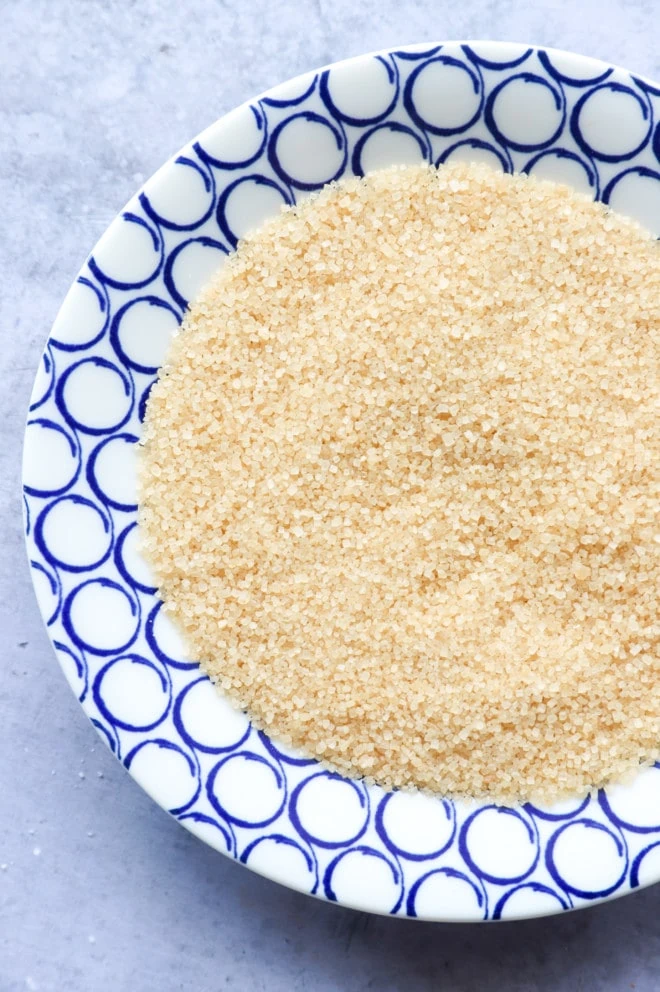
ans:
(99, 889)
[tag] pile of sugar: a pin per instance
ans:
(401, 479)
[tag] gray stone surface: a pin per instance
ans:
(99, 889)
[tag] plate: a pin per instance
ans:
(548, 113)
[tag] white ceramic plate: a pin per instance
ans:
(549, 113)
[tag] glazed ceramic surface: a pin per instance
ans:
(548, 113)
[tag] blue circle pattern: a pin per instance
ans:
(86, 664)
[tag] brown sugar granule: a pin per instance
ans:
(401, 479)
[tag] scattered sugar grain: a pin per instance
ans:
(400, 483)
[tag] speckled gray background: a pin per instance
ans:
(99, 889)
